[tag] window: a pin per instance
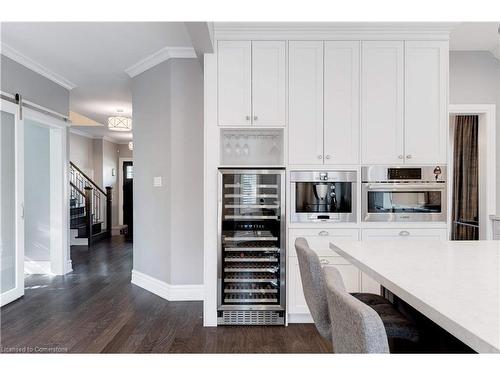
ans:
(129, 172)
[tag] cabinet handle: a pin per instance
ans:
(320, 156)
(328, 156)
(323, 233)
(247, 118)
(324, 261)
(408, 156)
(400, 156)
(404, 233)
(255, 118)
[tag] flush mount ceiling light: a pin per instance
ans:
(131, 145)
(120, 123)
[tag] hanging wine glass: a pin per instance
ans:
(228, 147)
(237, 149)
(246, 149)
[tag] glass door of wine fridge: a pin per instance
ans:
(251, 274)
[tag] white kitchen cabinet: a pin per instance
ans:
(296, 300)
(305, 100)
(426, 113)
(382, 102)
(234, 92)
(341, 102)
(319, 239)
(403, 234)
(268, 83)
(251, 83)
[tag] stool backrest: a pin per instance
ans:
(356, 327)
(313, 285)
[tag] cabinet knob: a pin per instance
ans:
(247, 118)
(408, 156)
(328, 156)
(255, 118)
(324, 261)
(400, 156)
(323, 233)
(404, 233)
(320, 156)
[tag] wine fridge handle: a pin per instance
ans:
(323, 233)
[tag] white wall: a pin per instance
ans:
(475, 79)
(36, 192)
(168, 142)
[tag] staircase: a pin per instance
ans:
(90, 209)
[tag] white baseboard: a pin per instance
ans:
(168, 291)
(69, 267)
(300, 318)
(35, 267)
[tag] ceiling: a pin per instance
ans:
(93, 57)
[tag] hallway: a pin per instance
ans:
(95, 309)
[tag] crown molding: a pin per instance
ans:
(160, 56)
(333, 30)
(24, 60)
(103, 137)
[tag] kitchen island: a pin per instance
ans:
(456, 284)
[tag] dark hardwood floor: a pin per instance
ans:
(95, 309)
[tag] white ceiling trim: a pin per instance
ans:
(18, 57)
(337, 31)
(160, 56)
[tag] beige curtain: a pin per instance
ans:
(465, 215)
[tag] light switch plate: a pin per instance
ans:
(157, 181)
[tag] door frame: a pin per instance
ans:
(120, 187)
(487, 162)
(18, 290)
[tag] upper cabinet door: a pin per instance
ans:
(426, 100)
(382, 85)
(305, 135)
(234, 83)
(341, 128)
(268, 83)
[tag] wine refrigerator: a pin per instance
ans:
(251, 254)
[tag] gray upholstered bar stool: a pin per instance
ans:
(356, 327)
(401, 332)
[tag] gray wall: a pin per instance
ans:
(187, 172)
(151, 117)
(475, 79)
(109, 162)
(168, 142)
(15, 78)
(81, 152)
(124, 151)
(36, 192)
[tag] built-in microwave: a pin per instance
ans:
(323, 196)
(403, 194)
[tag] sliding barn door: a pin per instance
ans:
(11, 203)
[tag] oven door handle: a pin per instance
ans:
(403, 186)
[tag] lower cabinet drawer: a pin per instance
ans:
(319, 239)
(296, 300)
(403, 234)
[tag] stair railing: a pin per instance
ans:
(84, 192)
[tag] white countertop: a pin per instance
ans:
(454, 283)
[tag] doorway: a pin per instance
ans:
(472, 156)
(127, 190)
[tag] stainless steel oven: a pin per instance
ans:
(323, 196)
(403, 194)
